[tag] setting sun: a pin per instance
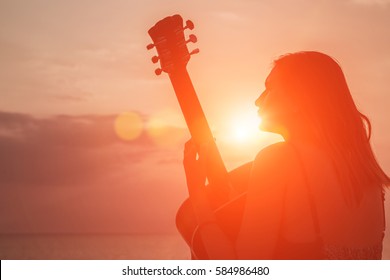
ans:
(240, 133)
(244, 128)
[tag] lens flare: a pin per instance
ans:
(128, 126)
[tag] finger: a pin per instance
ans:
(190, 152)
(204, 148)
(203, 162)
(189, 157)
(190, 143)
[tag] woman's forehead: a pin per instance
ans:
(270, 78)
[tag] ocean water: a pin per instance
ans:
(101, 247)
(92, 247)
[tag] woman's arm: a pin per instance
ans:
(260, 228)
(215, 241)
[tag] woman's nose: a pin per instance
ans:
(260, 99)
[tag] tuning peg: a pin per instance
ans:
(155, 59)
(192, 39)
(194, 51)
(150, 46)
(158, 71)
(189, 25)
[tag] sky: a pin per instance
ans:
(72, 71)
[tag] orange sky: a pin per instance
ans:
(69, 68)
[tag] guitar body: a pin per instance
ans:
(228, 215)
(226, 190)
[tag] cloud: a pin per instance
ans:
(72, 174)
(372, 2)
(68, 150)
(70, 97)
(65, 76)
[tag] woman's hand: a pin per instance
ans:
(195, 165)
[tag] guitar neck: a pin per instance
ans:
(197, 124)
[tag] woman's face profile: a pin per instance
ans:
(276, 107)
(271, 104)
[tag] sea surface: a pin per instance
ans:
(100, 247)
(92, 247)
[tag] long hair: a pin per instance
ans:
(319, 89)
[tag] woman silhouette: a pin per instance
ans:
(317, 195)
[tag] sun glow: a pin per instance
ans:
(244, 128)
(240, 133)
(241, 138)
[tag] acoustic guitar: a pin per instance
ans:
(226, 190)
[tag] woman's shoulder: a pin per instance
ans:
(274, 162)
(277, 153)
(283, 161)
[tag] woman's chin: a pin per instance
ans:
(266, 126)
(271, 127)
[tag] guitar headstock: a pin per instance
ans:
(170, 43)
